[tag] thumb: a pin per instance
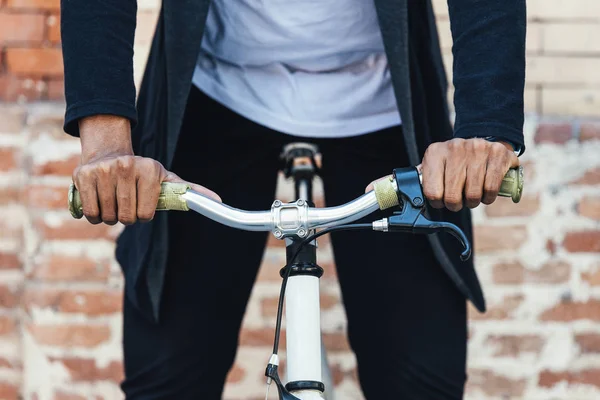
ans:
(172, 177)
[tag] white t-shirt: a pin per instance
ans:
(313, 68)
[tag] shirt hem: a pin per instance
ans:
(340, 129)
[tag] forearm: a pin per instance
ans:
(489, 67)
(97, 38)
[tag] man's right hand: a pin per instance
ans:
(114, 184)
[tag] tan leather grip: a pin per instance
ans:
(512, 186)
(169, 199)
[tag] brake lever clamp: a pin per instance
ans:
(411, 218)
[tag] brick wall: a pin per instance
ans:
(539, 261)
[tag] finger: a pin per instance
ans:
(126, 191)
(454, 182)
(433, 169)
(474, 184)
(107, 199)
(85, 183)
(498, 163)
(172, 177)
(148, 189)
(475, 173)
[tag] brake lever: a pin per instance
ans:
(411, 218)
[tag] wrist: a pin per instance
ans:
(104, 135)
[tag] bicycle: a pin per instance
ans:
(297, 223)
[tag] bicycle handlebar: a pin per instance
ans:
(286, 217)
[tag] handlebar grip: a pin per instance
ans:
(169, 198)
(512, 186)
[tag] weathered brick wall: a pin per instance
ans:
(539, 261)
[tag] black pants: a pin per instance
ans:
(406, 320)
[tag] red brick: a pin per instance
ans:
(35, 62)
(515, 273)
(56, 90)
(14, 88)
(588, 342)
(21, 28)
(10, 230)
(592, 277)
(86, 370)
(56, 267)
(514, 345)
(497, 238)
(270, 267)
(590, 177)
(336, 342)
(8, 158)
(72, 229)
(573, 311)
(339, 374)
(63, 167)
(10, 195)
(9, 391)
(502, 310)
(13, 117)
(62, 395)
(589, 132)
(7, 325)
(9, 297)
(236, 374)
(551, 246)
(70, 335)
(585, 377)
(9, 261)
(47, 197)
(4, 363)
(553, 133)
(53, 23)
(89, 302)
(34, 4)
(589, 207)
(260, 337)
(504, 207)
(582, 242)
(492, 384)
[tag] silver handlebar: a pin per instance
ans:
(284, 219)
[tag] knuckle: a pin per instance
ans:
(498, 149)
(90, 212)
(432, 193)
(453, 199)
(127, 218)
(456, 144)
(479, 145)
(125, 163)
(473, 196)
(84, 172)
(145, 214)
(104, 168)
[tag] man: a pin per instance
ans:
(223, 92)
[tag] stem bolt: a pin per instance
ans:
(301, 233)
(277, 203)
(300, 202)
(278, 234)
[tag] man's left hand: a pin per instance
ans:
(465, 172)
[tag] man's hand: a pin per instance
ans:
(114, 184)
(465, 172)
